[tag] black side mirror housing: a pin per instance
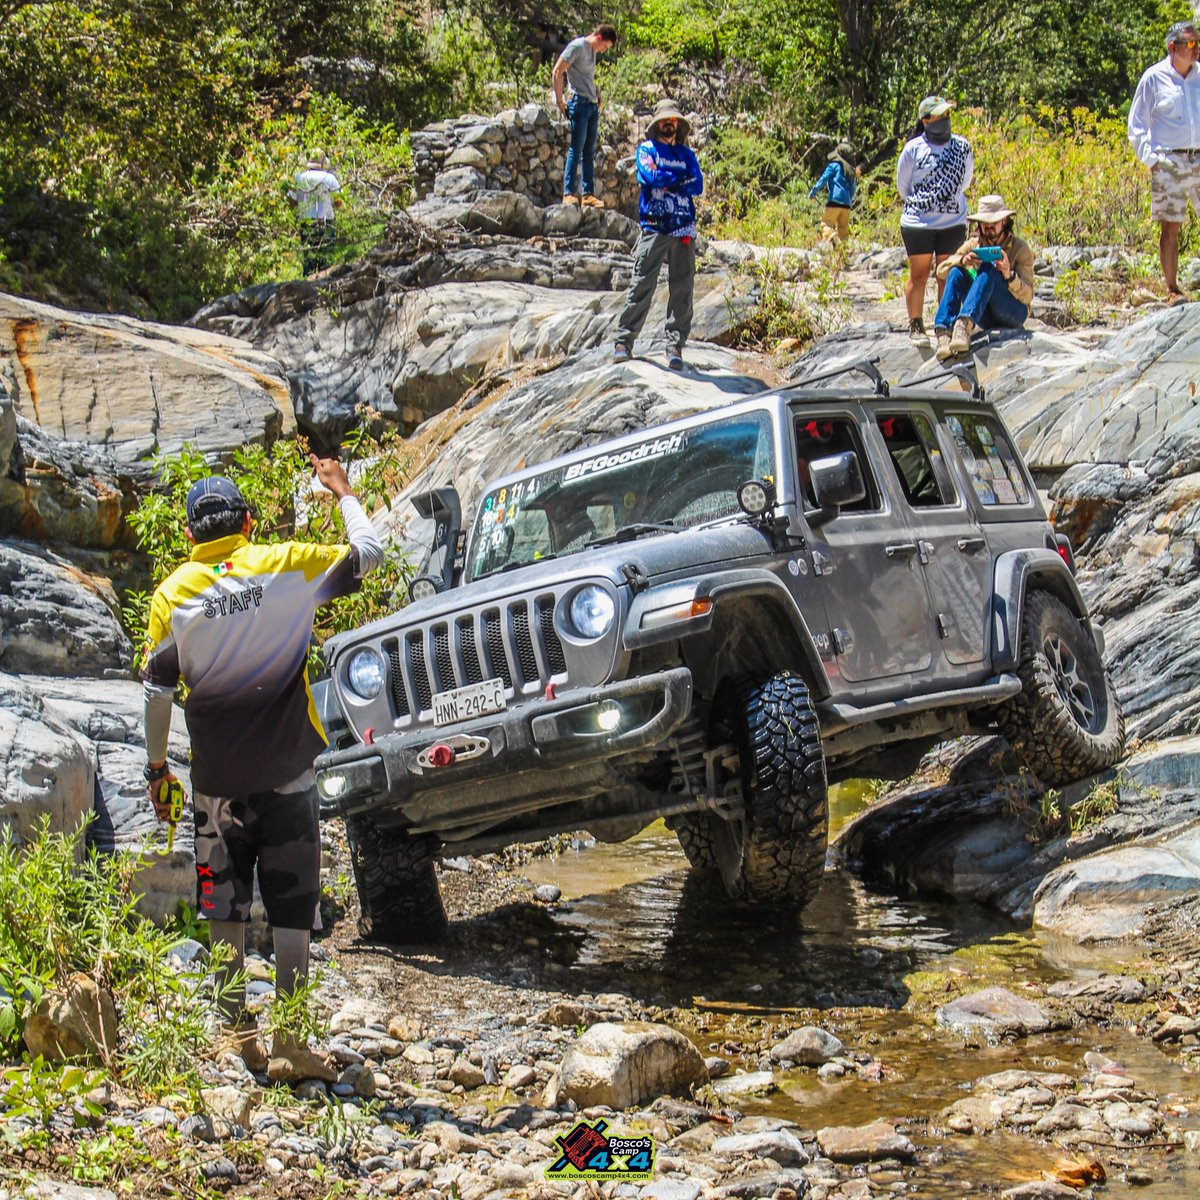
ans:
(445, 560)
(836, 481)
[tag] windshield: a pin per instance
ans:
(675, 480)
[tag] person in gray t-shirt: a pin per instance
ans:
(577, 65)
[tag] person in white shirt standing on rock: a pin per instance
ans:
(315, 195)
(1164, 129)
(577, 66)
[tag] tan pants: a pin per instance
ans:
(835, 223)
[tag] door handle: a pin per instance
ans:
(900, 548)
(967, 544)
(927, 550)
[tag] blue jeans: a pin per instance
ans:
(985, 299)
(585, 122)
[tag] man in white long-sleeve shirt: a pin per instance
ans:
(234, 623)
(1164, 129)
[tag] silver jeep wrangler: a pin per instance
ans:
(708, 622)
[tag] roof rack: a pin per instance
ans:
(961, 371)
(864, 365)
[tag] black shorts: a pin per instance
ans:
(276, 832)
(932, 241)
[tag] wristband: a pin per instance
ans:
(153, 774)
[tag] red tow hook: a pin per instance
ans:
(551, 692)
(441, 755)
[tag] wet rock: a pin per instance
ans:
(1107, 894)
(993, 1012)
(785, 1148)
(1113, 989)
(1040, 1189)
(621, 1065)
(1136, 1120)
(1066, 1116)
(78, 1020)
(547, 893)
(717, 1066)
(746, 1083)
(864, 1143)
(807, 1047)
(751, 1187)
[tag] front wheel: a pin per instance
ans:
(398, 893)
(1066, 720)
(774, 852)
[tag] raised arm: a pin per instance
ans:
(652, 173)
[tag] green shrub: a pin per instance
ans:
(66, 909)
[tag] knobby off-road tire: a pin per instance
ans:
(695, 835)
(1066, 721)
(776, 852)
(397, 886)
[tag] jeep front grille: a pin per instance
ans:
(498, 642)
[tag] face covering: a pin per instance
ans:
(938, 132)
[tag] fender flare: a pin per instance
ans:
(721, 588)
(1016, 571)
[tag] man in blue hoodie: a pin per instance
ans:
(671, 179)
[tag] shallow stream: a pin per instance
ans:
(867, 967)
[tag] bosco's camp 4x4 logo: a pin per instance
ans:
(588, 1152)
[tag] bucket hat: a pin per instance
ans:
(934, 106)
(991, 209)
(664, 110)
(318, 160)
(212, 495)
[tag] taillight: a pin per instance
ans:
(1062, 544)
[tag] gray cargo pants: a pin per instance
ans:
(648, 257)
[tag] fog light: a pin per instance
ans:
(608, 715)
(331, 784)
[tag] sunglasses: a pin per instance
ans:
(1190, 44)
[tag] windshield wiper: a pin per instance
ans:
(526, 562)
(632, 532)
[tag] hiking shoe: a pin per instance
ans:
(916, 332)
(592, 202)
(943, 344)
(570, 199)
(1174, 298)
(960, 339)
(621, 354)
(292, 1062)
(242, 1041)
(675, 360)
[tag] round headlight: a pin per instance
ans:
(592, 611)
(422, 588)
(364, 672)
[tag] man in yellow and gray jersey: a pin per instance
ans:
(234, 623)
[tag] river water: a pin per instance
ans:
(634, 920)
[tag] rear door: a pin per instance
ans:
(876, 602)
(950, 548)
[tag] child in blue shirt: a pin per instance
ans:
(840, 179)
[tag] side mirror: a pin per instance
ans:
(445, 559)
(836, 481)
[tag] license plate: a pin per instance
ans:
(474, 700)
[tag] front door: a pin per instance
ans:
(865, 558)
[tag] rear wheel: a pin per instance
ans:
(397, 885)
(1066, 720)
(775, 852)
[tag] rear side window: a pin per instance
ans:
(910, 442)
(819, 437)
(990, 460)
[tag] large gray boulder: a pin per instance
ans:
(107, 714)
(620, 1065)
(46, 769)
(55, 619)
(136, 387)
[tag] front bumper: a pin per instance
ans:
(548, 742)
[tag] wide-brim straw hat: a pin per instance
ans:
(664, 110)
(991, 210)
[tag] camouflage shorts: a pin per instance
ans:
(1172, 183)
(275, 832)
